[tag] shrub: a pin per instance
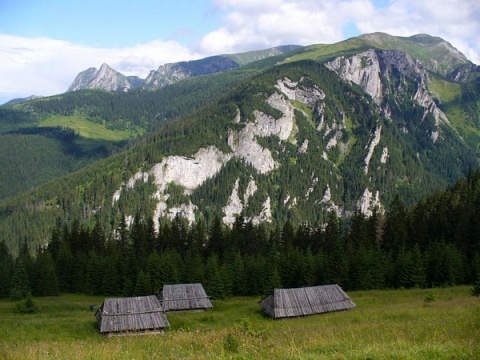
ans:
(27, 306)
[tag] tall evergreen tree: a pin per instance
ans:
(45, 278)
(143, 285)
(214, 286)
(216, 238)
(6, 271)
(65, 268)
(20, 287)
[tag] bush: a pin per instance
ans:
(230, 343)
(476, 287)
(27, 306)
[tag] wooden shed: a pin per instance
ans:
(139, 314)
(184, 297)
(306, 301)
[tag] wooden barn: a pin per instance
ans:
(180, 297)
(139, 314)
(306, 301)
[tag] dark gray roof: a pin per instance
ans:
(141, 313)
(306, 301)
(184, 297)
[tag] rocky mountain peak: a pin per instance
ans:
(104, 78)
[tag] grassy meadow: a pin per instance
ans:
(88, 129)
(396, 324)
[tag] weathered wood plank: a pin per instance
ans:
(185, 297)
(141, 313)
(306, 301)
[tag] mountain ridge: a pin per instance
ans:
(106, 78)
(325, 131)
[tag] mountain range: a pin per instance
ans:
(109, 79)
(325, 128)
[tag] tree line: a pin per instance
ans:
(435, 243)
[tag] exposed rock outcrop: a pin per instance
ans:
(367, 202)
(244, 144)
(362, 69)
(104, 78)
(371, 147)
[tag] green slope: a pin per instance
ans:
(434, 53)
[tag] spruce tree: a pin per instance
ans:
(45, 278)
(20, 283)
(65, 268)
(214, 286)
(143, 285)
(476, 286)
(6, 271)
(154, 269)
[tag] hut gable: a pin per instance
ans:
(132, 314)
(306, 301)
(184, 297)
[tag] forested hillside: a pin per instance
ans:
(334, 133)
(436, 243)
(104, 115)
(325, 163)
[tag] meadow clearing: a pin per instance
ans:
(441, 323)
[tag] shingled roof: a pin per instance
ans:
(306, 301)
(184, 297)
(132, 314)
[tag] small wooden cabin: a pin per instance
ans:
(139, 314)
(306, 301)
(180, 297)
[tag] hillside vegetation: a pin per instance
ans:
(290, 142)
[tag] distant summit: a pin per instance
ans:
(104, 78)
(21, 100)
(109, 79)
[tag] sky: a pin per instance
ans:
(44, 44)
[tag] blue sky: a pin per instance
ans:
(45, 43)
(104, 23)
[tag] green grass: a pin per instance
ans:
(444, 90)
(400, 324)
(326, 51)
(88, 129)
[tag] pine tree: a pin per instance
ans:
(46, 281)
(171, 267)
(216, 238)
(65, 268)
(6, 271)
(154, 269)
(111, 279)
(239, 281)
(193, 271)
(143, 284)
(20, 283)
(476, 286)
(213, 281)
(94, 274)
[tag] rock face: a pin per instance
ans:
(165, 75)
(109, 79)
(104, 78)
(362, 69)
(375, 71)
(267, 145)
(244, 144)
(190, 173)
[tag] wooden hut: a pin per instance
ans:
(306, 301)
(139, 314)
(184, 297)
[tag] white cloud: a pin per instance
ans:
(259, 24)
(44, 66)
(455, 21)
